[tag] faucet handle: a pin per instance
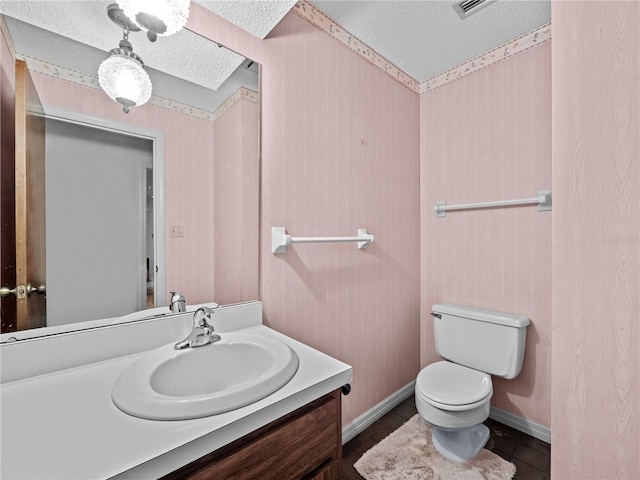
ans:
(201, 315)
(210, 311)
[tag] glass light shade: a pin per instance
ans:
(125, 81)
(163, 17)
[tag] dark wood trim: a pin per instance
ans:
(8, 305)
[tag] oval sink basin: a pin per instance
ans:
(169, 384)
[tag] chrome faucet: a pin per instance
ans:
(177, 304)
(202, 333)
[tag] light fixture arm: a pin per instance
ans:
(122, 75)
(118, 17)
(125, 48)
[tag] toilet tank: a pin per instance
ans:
(492, 342)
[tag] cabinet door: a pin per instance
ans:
(306, 443)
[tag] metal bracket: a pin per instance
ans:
(544, 205)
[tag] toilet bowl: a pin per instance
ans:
(454, 395)
(455, 400)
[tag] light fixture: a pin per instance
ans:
(157, 17)
(122, 75)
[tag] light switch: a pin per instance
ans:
(176, 231)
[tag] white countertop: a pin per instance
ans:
(64, 425)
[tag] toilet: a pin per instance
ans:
(453, 395)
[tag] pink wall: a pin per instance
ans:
(596, 240)
(488, 137)
(340, 151)
(189, 178)
(236, 156)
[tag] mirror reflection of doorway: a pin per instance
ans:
(97, 197)
(150, 215)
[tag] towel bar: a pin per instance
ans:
(543, 200)
(280, 239)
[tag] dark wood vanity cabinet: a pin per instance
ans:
(305, 444)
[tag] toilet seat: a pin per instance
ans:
(453, 387)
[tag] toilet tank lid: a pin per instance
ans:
(502, 318)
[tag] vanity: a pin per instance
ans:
(62, 408)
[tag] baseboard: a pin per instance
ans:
(521, 424)
(376, 412)
(369, 417)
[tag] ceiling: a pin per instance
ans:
(257, 17)
(184, 67)
(427, 37)
(421, 37)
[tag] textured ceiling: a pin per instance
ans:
(421, 37)
(184, 55)
(426, 37)
(257, 17)
(80, 57)
(184, 67)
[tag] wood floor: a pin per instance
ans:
(531, 456)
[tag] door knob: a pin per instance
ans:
(6, 291)
(20, 291)
(40, 290)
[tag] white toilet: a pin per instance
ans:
(454, 396)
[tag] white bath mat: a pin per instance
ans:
(409, 454)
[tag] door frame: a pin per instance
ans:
(157, 138)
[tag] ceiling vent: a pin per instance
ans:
(469, 7)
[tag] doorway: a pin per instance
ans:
(104, 212)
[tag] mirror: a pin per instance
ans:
(188, 162)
